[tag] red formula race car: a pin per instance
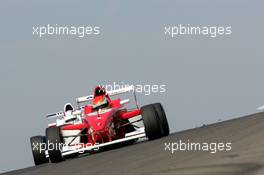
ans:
(101, 123)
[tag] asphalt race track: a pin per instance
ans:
(150, 158)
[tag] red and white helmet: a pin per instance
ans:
(100, 98)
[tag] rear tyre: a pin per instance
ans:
(151, 122)
(55, 143)
(38, 148)
(163, 119)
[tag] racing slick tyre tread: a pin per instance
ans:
(151, 122)
(54, 141)
(39, 155)
(163, 119)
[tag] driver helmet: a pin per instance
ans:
(100, 98)
(100, 102)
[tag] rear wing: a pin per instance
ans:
(110, 93)
(90, 97)
(62, 114)
(53, 115)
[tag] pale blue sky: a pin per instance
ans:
(207, 78)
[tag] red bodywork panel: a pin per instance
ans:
(105, 124)
(130, 114)
(75, 127)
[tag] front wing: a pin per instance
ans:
(68, 150)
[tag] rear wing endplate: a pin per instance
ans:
(110, 93)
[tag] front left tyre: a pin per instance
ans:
(38, 147)
(163, 119)
(155, 121)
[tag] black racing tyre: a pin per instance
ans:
(163, 119)
(38, 148)
(55, 143)
(151, 122)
